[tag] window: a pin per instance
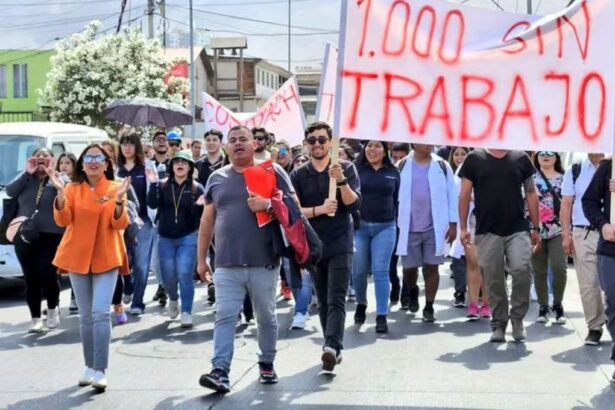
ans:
(57, 149)
(20, 80)
(2, 81)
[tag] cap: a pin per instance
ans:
(183, 155)
(174, 135)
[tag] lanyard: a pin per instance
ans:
(177, 201)
(39, 193)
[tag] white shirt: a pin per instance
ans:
(577, 190)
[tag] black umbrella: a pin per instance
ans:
(144, 112)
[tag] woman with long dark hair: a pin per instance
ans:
(179, 200)
(131, 163)
(548, 180)
(376, 236)
(35, 253)
(92, 252)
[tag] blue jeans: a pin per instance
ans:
(231, 287)
(140, 256)
(177, 263)
(93, 294)
(374, 243)
(301, 292)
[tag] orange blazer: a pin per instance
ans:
(93, 241)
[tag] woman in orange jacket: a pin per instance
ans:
(92, 250)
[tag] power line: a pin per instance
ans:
(56, 3)
(273, 23)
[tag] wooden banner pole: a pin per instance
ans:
(335, 159)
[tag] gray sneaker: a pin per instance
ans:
(498, 335)
(518, 331)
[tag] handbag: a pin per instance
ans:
(27, 230)
(9, 212)
(557, 201)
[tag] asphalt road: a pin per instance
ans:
(446, 365)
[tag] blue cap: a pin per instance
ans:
(174, 135)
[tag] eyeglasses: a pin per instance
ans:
(174, 144)
(546, 154)
(260, 138)
(89, 159)
(283, 152)
(320, 140)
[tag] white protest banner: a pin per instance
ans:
(440, 73)
(282, 114)
(326, 93)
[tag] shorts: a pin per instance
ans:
(421, 250)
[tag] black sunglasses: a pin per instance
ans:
(260, 138)
(313, 140)
(174, 144)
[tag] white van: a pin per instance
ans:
(18, 141)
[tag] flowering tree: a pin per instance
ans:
(89, 72)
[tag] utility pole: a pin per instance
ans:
(151, 7)
(192, 84)
(289, 35)
(529, 6)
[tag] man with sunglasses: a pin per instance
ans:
(261, 136)
(332, 274)
(175, 143)
(580, 240)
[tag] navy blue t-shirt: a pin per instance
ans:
(379, 193)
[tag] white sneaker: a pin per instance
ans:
(127, 299)
(173, 309)
(87, 378)
(37, 326)
(186, 320)
(299, 321)
(135, 311)
(100, 381)
(53, 318)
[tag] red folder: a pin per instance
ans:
(260, 180)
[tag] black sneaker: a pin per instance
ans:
(558, 309)
(543, 315)
(460, 300)
(162, 300)
(428, 314)
(414, 300)
(267, 373)
(381, 324)
(216, 380)
(330, 358)
(211, 294)
(395, 292)
(593, 337)
(359, 314)
(157, 294)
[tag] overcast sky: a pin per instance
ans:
(36, 23)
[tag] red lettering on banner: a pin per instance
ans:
(293, 96)
(429, 37)
(461, 33)
(389, 97)
(328, 97)
(521, 41)
(208, 108)
(565, 117)
(541, 43)
(365, 24)
(582, 108)
(403, 33)
(481, 100)
(220, 109)
(583, 48)
(359, 77)
(438, 92)
(524, 112)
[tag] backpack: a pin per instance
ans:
(576, 171)
(441, 162)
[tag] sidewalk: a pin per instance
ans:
(446, 365)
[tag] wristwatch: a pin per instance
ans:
(535, 228)
(344, 182)
(269, 209)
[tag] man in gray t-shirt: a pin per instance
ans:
(245, 260)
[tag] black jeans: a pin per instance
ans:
(330, 278)
(458, 266)
(35, 259)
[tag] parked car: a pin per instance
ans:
(17, 142)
